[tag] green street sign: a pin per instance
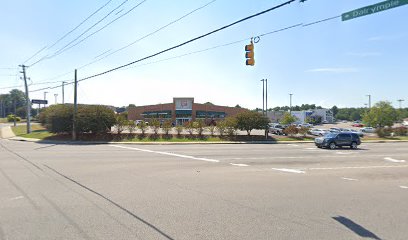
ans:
(382, 6)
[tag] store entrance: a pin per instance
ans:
(182, 121)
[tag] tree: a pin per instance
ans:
(250, 120)
(167, 127)
(131, 126)
(237, 106)
(120, 123)
(335, 110)
(381, 115)
(155, 125)
(142, 126)
(288, 119)
(189, 126)
(221, 126)
(231, 125)
(199, 127)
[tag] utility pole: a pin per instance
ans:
(266, 96)
(263, 96)
(290, 102)
(27, 99)
(63, 93)
(15, 113)
(74, 134)
(369, 101)
(55, 95)
(400, 102)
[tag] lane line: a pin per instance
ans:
(293, 145)
(394, 160)
(357, 167)
(349, 179)
(404, 187)
(167, 153)
(345, 153)
(288, 170)
(239, 164)
(17, 198)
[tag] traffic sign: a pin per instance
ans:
(39, 101)
(382, 6)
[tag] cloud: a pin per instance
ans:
(364, 54)
(334, 70)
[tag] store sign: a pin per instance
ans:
(184, 104)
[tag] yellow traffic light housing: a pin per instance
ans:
(249, 54)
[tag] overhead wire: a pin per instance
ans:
(83, 33)
(191, 40)
(100, 57)
(214, 47)
(69, 32)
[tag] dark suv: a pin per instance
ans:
(333, 140)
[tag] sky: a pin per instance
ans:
(329, 63)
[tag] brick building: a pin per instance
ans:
(182, 110)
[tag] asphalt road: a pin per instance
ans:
(232, 191)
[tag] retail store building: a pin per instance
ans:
(182, 110)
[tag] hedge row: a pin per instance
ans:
(90, 118)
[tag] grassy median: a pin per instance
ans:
(37, 131)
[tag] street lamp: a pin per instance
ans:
(263, 96)
(290, 102)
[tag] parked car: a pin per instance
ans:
(325, 122)
(344, 121)
(306, 125)
(368, 129)
(349, 130)
(276, 129)
(333, 129)
(357, 125)
(334, 140)
(318, 132)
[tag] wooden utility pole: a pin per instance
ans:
(27, 99)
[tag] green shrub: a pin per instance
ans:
(11, 117)
(90, 118)
(383, 132)
(291, 130)
(401, 131)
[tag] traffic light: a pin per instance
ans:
(249, 54)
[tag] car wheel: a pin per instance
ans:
(332, 146)
(353, 145)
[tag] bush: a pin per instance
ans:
(211, 128)
(231, 126)
(303, 131)
(401, 131)
(121, 123)
(179, 129)
(155, 125)
(131, 126)
(383, 132)
(91, 118)
(291, 130)
(142, 126)
(11, 117)
(221, 126)
(199, 127)
(189, 126)
(167, 127)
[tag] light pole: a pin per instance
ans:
(263, 96)
(369, 100)
(400, 102)
(55, 95)
(45, 97)
(290, 102)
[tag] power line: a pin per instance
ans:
(69, 32)
(100, 57)
(83, 33)
(191, 40)
(202, 50)
(100, 29)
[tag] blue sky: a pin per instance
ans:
(330, 63)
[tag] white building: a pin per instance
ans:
(326, 115)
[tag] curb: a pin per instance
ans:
(179, 143)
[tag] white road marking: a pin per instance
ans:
(394, 160)
(349, 179)
(357, 167)
(288, 170)
(404, 187)
(293, 145)
(16, 198)
(167, 153)
(345, 153)
(312, 149)
(239, 164)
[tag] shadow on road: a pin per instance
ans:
(356, 228)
